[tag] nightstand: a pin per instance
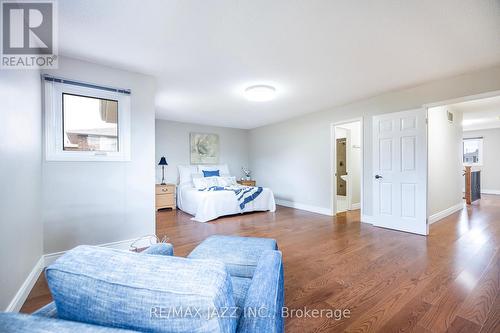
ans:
(247, 182)
(165, 196)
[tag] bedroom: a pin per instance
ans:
(236, 106)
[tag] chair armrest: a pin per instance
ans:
(265, 297)
(49, 311)
(165, 249)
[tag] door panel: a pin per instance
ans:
(400, 171)
(408, 151)
(385, 150)
(385, 126)
(408, 199)
(385, 198)
(408, 123)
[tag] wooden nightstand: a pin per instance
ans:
(165, 196)
(247, 182)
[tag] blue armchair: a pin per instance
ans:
(218, 288)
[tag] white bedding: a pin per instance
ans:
(206, 206)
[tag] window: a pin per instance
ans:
(89, 123)
(473, 151)
(84, 122)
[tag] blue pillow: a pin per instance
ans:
(208, 173)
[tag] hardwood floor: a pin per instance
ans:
(389, 281)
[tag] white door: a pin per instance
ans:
(400, 171)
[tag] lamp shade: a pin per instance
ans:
(163, 161)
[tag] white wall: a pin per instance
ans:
(103, 202)
(20, 179)
(293, 157)
(172, 141)
(490, 175)
(354, 162)
(445, 170)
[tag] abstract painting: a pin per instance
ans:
(204, 148)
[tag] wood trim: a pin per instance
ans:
(468, 190)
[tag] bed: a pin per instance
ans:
(209, 205)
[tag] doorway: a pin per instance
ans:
(347, 166)
(418, 157)
(464, 137)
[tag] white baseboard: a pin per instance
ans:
(121, 245)
(367, 219)
(444, 213)
(47, 259)
(356, 206)
(23, 292)
(296, 205)
(487, 191)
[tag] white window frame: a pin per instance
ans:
(54, 150)
(480, 152)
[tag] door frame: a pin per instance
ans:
(488, 94)
(333, 164)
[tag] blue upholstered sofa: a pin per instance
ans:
(227, 284)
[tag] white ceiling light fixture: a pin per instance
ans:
(260, 93)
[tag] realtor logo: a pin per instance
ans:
(28, 34)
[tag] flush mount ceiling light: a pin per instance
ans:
(260, 93)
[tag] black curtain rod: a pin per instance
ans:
(83, 84)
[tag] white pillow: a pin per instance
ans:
(223, 168)
(226, 181)
(201, 183)
(196, 175)
(185, 172)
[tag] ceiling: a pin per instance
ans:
(317, 54)
(479, 114)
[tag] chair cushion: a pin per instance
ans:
(240, 288)
(140, 292)
(16, 322)
(240, 254)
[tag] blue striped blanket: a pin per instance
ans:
(244, 194)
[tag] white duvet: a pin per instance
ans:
(207, 206)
